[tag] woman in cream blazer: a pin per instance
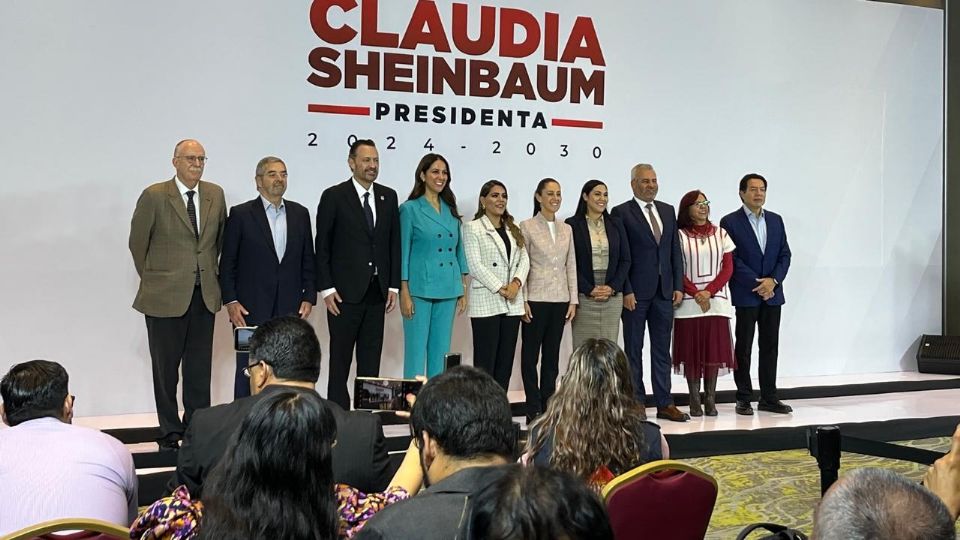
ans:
(498, 263)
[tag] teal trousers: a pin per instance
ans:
(426, 336)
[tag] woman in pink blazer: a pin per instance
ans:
(550, 293)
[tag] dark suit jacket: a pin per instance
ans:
(346, 251)
(167, 253)
(750, 263)
(249, 270)
(437, 513)
(619, 263)
(652, 265)
(360, 456)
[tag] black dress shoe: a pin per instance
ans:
(170, 443)
(744, 408)
(777, 406)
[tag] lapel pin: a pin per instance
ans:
(381, 197)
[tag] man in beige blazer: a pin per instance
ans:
(175, 238)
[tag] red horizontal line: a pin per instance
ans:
(567, 122)
(338, 109)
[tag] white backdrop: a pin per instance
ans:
(837, 102)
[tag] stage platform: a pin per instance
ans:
(878, 406)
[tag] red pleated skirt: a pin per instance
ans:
(703, 347)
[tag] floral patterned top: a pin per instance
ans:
(178, 517)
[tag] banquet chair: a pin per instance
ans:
(82, 529)
(660, 499)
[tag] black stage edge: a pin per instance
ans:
(139, 435)
(714, 443)
(812, 392)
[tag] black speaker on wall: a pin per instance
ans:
(939, 354)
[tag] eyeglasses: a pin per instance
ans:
(194, 159)
(702, 204)
(246, 370)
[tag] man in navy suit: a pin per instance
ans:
(358, 266)
(761, 261)
(267, 265)
(653, 287)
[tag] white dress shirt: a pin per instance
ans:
(196, 198)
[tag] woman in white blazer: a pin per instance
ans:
(498, 264)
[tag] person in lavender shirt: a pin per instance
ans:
(51, 469)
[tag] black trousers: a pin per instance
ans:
(189, 338)
(766, 319)
(541, 340)
(495, 344)
(358, 326)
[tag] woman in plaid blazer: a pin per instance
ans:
(498, 264)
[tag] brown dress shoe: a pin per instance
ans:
(672, 413)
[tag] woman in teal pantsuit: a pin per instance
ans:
(432, 268)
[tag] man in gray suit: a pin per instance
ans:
(175, 238)
(462, 424)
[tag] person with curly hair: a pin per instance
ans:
(594, 428)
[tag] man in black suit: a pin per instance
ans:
(285, 354)
(267, 265)
(358, 266)
(653, 287)
(464, 430)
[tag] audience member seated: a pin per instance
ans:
(536, 503)
(276, 481)
(462, 425)
(51, 469)
(871, 503)
(284, 354)
(943, 477)
(594, 428)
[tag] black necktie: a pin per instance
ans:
(367, 211)
(192, 213)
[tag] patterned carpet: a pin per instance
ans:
(783, 487)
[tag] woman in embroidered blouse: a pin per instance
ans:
(702, 347)
(276, 481)
(550, 293)
(594, 427)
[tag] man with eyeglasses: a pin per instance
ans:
(51, 469)
(285, 355)
(175, 238)
(762, 260)
(267, 266)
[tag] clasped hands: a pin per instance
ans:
(510, 290)
(765, 287)
(601, 293)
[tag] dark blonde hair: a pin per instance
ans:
(593, 417)
(507, 218)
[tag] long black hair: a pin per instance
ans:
(419, 188)
(587, 189)
(276, 479)
(507, 219)
(542, 184)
